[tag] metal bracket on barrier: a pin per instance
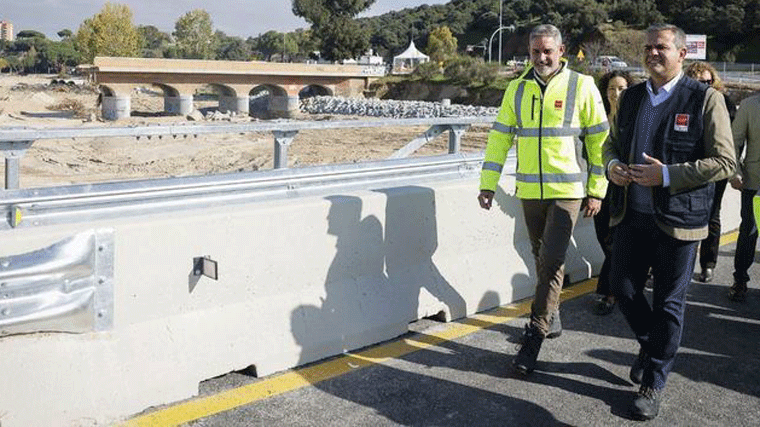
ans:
(205, 266)
(13, 151)
(282, 140)
(418, 142)
(65, 287)
(455, 137)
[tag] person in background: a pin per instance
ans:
(670, 141)
(545, 113)
(708, 248)
(746, 131)
(611, 85)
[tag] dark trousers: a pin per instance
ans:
(745, 245)
(708, 249)
(550, 225)
(604, 237)
(638, 243)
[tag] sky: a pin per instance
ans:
(242, 18)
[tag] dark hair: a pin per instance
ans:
(604, 82)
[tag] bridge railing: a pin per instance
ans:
(16, 141)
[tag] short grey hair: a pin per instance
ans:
(679, 37)
(546, 30)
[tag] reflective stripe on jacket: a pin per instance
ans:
(548, 129)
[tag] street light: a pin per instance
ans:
(490, 41)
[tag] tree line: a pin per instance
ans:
(335, 32)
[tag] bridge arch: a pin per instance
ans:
(268, 100)
(314, 90)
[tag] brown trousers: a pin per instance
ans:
(550, 226)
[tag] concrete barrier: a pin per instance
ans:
(299, 279)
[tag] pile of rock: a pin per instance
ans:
(391, 108)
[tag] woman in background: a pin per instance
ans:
(611, 85)
(708, 248)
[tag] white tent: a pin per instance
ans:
(405, 62)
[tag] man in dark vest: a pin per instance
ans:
(670, 142)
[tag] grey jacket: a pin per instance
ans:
(746, 131)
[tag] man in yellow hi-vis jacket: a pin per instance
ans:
(547, 112)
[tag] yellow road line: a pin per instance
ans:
(206, 406)
(195, 409)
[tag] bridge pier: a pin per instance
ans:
(116, 107)
(284, 106)
(237, 104)
(180, 105)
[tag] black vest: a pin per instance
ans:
(679, 138)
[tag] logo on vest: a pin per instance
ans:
(682, 123)
(558, 104)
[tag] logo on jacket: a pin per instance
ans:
(558, 104)
(682, 123)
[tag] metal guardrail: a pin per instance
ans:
(66, 287)
(15, 141)
(72, 203)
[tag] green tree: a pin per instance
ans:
(65, 34)
(333, 23)
(194, 34)
(153, 38)
(232, 48)
(441, 45)
(109, 33)
(270, 43)
(30, 34)
(153, 42)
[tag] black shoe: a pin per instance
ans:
(646, 405)
(555, 326)
(637, 370)
(525, 360)
(738, 292)
(705, 276)
(604, 306)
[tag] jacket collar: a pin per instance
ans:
(530, 74)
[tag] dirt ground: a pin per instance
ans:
(30, 101)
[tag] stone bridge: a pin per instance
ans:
(234, 82)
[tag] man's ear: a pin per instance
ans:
(561, 49)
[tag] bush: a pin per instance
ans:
(469, 71)
(426, 71)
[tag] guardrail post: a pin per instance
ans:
(13, 151)
(282, 140)
(455, 137)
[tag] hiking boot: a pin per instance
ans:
(646, 404)
(525, 360)
(738, 292)
(637, 370)
(555, 326)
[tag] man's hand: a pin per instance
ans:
(620, 174)
(591, 206)
(649, 174)
(485, 198)
(737, 183)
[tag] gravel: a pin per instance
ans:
(390, 108)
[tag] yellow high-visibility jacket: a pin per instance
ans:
(548, 129)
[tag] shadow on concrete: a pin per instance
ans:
(374, 282)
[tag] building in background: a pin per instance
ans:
(6, 31)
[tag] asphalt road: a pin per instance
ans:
(458, 374)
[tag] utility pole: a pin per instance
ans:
(501, 2)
